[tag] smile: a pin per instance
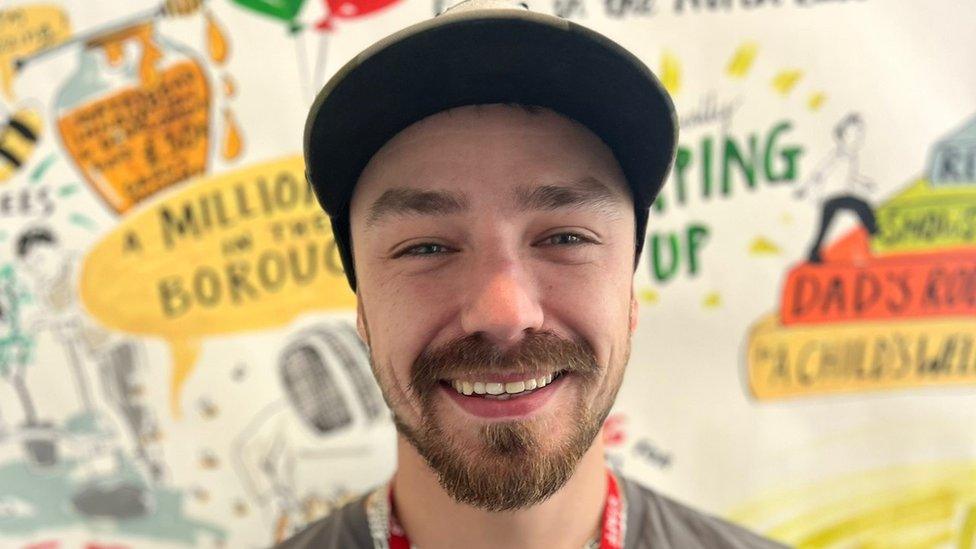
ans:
(512, 396)
(503, 389)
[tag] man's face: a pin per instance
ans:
(43, 261)
(494, 250)
(852, 135)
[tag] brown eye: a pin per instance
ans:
(425, 249)
(565, 239)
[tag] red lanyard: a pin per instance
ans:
(611, 537)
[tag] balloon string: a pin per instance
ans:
(302, 54)
(320, 60)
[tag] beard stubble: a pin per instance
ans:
(510, 468)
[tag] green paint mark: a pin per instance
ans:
(83, 221)
(41, 168)
(68, 190)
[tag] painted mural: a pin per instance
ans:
(179, 365)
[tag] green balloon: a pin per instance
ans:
(286, 10)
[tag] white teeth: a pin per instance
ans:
(501, 390)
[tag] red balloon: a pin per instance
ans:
(349, 9)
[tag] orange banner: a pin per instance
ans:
(905, 286)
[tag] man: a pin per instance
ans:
(488, 174)
(839, 185)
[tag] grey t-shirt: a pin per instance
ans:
(653, 522)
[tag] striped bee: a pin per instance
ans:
(18, 138)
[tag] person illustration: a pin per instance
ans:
(110, 486)
(838, 184)
(16, 344)
(299, 456)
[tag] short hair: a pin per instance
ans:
(850, 119)
(34, 237)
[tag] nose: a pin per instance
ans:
(502, 304)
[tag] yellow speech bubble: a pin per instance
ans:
(241, 251)
(25, 30)
(925, 218)
(855, 357)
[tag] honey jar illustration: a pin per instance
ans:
(135, 116)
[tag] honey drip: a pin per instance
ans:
(181, 7)
(114, 51)
(148, 74)
(230, 88)
(114, 47)
(217, 45)
(232, 137)
(7, 74)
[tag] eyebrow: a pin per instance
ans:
(406, 201)
(586, 192)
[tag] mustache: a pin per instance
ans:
(473, 354)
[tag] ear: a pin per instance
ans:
(633, 312)
(361, 328)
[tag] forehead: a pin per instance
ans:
(488, 151)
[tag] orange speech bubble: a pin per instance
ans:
(241, 251)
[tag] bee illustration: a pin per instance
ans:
(18, 138)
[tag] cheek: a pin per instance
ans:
(401, 325)
(594, 306)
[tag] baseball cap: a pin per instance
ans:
(483, 52)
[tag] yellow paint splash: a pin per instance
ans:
(649, 296)
(816, 101)
(928, 505)
(232, 137)
(670, 72)
(712, 300)
(763, 246)
(786, 80)
(217, 45)
(742, 59)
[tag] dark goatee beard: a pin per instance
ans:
(511, 468)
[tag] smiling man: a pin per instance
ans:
(488, 175)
